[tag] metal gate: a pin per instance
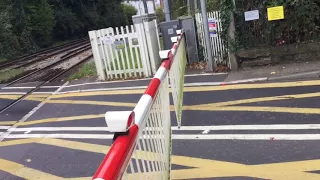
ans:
(219, 49)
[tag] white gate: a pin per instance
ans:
(217, 45)
(125, 52)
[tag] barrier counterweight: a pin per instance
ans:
(142, 143)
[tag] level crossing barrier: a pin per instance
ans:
(142, 140)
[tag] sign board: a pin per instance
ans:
(135, 41)
(170, 31)
(212, 27)
(119, 44)
(275, 13)
(251, 15)
(108, 40)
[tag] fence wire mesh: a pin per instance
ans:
(176, 75)
(151, 157)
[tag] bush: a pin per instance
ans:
(129, 11)
(160, 14)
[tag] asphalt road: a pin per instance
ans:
(243, 131)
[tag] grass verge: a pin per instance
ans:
(7, 75)
(161, 43)
(87, 70)
(3, 59)
(122, 63)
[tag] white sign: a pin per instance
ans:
(251, 15)
(108, 40)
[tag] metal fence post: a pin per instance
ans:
(96, 55)
(211, 64)
(167, 10)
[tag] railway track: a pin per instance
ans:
(45, 75)
(41, 55)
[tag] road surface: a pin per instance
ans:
(263, 130)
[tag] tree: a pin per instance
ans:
(129, 11)
(40, 20)
(179, 8)
(160, 14)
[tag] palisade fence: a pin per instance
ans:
(219, 49)
(126, 52)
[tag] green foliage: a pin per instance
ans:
(7, 75)
(87, 70)
(129, 11)
(179, 8)
(41, 22)
(226, 10)
(160, 14)
(28, 25)
(3, 59)
(213, 5)
(301, 23)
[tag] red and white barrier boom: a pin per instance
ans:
(142, 142)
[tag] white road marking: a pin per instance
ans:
(27, 132)
(104, 89)
(250, 127)
(23, 93)
(127, 88)
(60, 129)
(30, 87)
(67, 136)
(205, 74)
(24, 118)
(204, 129)
(12, 93)
(5, 127)
(108, 82)
(291, 137)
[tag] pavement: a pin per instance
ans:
(253, 129)
(291, 71)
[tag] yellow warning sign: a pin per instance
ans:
(275, 13)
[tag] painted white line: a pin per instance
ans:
(23, 93)
(109, 82)
(60, 129)
(60, 88)
(17, 87)
(24, 118)
(49, 92)
(249, 127)
(135, 87)
(203, 84)
(103, 89)
(5, 127)
(247, 80)
(205, 129)
(31, 87)
(291, 137)
(27, 132)
(12, 93)
(67, 136)
(205, 74)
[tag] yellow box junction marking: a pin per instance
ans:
(198, 167)
(220, 106)
(196, 89)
